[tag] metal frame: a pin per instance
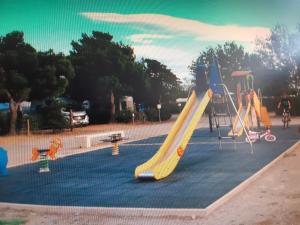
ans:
(240, 119)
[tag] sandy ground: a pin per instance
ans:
(274, 198)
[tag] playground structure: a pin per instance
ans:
(167, 157)
(249, 115)
(250, 107)
(45, 154)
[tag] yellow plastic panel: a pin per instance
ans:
(160, 153)
(165, 160)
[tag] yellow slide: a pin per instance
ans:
(167, 157)
(265, 119)
(237, 128)
(262, 112)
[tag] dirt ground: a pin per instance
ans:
(274, 198)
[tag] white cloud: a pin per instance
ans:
(147, 38)
(201, 31)
(175, 59)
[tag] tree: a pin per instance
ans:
(28, 74)
(17, 61)
(105, 68)
(231, 57)
(280, 52)
(164, 85)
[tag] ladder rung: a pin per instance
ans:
(221, 114)
(225, 125)
(226, 137)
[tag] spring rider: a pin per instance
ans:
(3, 161)
(45, 154)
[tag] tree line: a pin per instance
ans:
(275, 61)
(96, 69)
(99, 69)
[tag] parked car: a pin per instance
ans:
(80, 117)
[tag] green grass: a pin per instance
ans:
(12, 222)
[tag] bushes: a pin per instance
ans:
(53, 117)
(99, 113)
(4, 123)
(295, 102)
(123, 116)
(152, 114)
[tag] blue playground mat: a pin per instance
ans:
(204, 174)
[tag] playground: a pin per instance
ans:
(99, 179)
(190, 168)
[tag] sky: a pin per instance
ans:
(173, 32)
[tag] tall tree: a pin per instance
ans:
(18, 60)
(26, 74)
(52, 76)
(280, 52)
(230, 56)
(165, 86)
(104, 68)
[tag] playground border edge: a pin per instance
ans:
(150, 212)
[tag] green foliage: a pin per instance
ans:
(123, 116)
(164, 85)
(52, 77)
(102, 66)
(152, 114)
(13, 222)
(36, 122)
(27, 74)
(280, 52)
(53, 117)
(18, 61)
(4, 123)
(231, 57)
(295, 102)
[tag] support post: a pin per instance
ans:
(240, 119)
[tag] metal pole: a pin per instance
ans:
(240, 119)
(159, 115)
(28, 127)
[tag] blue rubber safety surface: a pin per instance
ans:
(204, 174)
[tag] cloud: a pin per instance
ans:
(147, 38)
(201, 31)
(176, 59)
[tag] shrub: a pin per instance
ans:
(152, 114)
(36, 122)
(53, 117)
(295, 102)
(4, 123)
(99, 113)
(123, 116)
